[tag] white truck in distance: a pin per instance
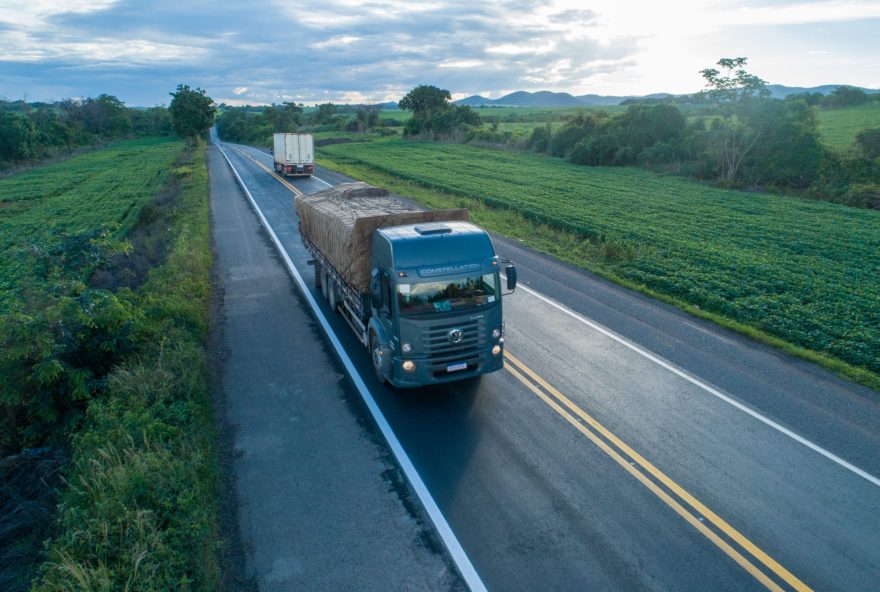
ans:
(294, 154)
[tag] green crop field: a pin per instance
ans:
(807, 272)
(42, 208)
(838, 127)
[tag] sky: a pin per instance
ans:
(353, 51)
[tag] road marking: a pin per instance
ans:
(311, 176)
(553, 398)
(453, 546)
(268, 170)
(706, 387)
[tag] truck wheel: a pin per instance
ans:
(325, 283)
(317, 275)
(332, 296)
(376, 355)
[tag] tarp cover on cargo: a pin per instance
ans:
(340, 222)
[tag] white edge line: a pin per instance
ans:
(711, 390)
(322, 181)
(462, 562)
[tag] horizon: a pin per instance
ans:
(350, 53)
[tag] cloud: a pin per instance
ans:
(373, 50)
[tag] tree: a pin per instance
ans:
(283, 118)
(367, 118)
(734, 84)
(325, 114)
(845, 96)
(192, 111)
(731, 136)
(868, 141)
(425, 101)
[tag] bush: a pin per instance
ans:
(868, 142)
(861, 195)
(539, 140)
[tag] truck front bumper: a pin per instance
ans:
(425, 373)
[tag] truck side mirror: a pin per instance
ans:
(510, 272)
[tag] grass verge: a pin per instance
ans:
(140, 508)
(594, 255)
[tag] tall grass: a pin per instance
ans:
(140, 509)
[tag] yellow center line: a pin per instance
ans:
(518, 369)
(270, 171)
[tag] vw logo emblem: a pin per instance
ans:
(456, 335)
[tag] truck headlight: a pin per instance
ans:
(496, 349)
(496, 333)
(409, 365)
(406, 348)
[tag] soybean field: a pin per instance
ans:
(838, 127)
(805, 271)
(49, 214)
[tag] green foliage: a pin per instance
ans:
(539, 140)
(788, 153)
(845, 96)
(425, 100)
(31, 131)
(248, 127)
(838, 127)
(192, 111)
(55, 356)
(140, 511)
(734, 84)
(433, 113)
(868, 141)
(793, 268)
(60, 339)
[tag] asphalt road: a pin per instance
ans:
(629, 446)
(320, 503)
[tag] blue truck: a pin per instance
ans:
(421, 289)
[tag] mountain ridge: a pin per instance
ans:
(562, 99)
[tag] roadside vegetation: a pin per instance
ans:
(32, 132)
(104, 283)
(796, 273)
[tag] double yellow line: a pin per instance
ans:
(277, 177)
(727, 538)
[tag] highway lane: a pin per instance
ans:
(538, 504)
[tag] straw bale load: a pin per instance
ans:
(340, 221)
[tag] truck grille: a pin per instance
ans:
(441, 351)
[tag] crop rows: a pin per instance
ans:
(41, 208)
(838, 127)
(808, 272)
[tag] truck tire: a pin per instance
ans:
(325, 283)
(332, 296)
(376, 356)
(317, 275)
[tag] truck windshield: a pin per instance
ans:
(447, 295)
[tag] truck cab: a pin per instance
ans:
(435, 298)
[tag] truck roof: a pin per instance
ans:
(414, 244)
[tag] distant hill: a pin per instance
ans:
(561, 99)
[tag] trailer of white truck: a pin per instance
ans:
(294, 154)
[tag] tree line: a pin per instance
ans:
(255, 124)
(39, 130)
(739, 138)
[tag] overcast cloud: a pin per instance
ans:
(349, 51)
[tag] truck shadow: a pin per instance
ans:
(440, 428)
